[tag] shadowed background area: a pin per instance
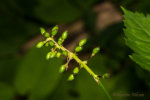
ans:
(25, 74)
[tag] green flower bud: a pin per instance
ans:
(62, 68)
(40, 44)
(65, 53)
(53, 54)
(42, 30)
(54, 30)
(78, 49)
(81, 66)
(96, 50)
(64, 35)
(58, 54)
(47, 44)
(76, 70)
(60, 41)
(106, 75)
(51, 43)
(71, 77)
(47, 34)
(48, 55)
(82, 42)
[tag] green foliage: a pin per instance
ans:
(19, 23)
(6, 92)
(37, 76)
(137, 34)
(56, 11)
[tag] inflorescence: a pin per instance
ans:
(58, 50)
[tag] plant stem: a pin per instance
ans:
(74, 56)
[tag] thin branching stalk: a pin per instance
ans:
(57, 46)
(80, 62)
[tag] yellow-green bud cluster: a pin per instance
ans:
(43, 32)
(75, 71)
(57, 51)
(54, 30)
(51, 55)
(79, 47)
(63, 37)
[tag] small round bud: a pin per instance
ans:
(58, 54)
(96, 50)
(47, 34)
(81, 66)
(76, 70)
(51, 43)
(54, 30)
(42, 30)
(48, 55)
(53, 54)
(40, 44)
(62, 68)
(71, 77)
(78, 49)
(106, 75)
(60, 41)
(65, 53)
(82, 42)
(47, 44)
(64, 35)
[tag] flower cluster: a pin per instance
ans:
(58, 50)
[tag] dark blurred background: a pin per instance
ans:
(25, 74)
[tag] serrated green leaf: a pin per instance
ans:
(137, 34)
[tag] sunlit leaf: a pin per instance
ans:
(137, 34)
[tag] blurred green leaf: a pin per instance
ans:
(36, 75)
(8, 66)
(56, 11)
(14, 32)
(143, 6)
(6, 92)
(137, 34)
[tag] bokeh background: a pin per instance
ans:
(25, 74)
